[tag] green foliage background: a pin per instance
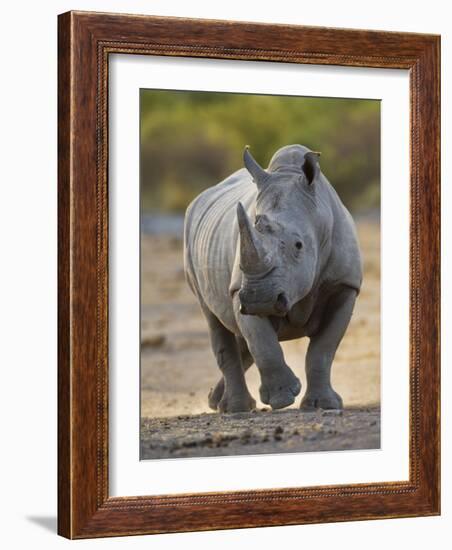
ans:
(192, 140)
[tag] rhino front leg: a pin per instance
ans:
(279, 385)
(321, 351)
(235, 395)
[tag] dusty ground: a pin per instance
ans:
(287, 431)
(178, 368)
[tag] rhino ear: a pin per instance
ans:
(311, 167)
(259, 175)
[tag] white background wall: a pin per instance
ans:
(28, 269)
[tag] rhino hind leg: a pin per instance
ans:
(322, 348)
(217, 392)
(235, 396)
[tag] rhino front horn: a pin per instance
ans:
(259, 175)
(253, 258)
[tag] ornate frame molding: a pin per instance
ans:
(85, 42)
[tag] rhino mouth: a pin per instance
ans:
(277, 306)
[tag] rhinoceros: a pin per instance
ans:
(273, 255)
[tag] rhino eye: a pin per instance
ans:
(298, 245)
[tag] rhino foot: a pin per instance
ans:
(280, 389)
(327, 399)
(216, 394)
(240, 403)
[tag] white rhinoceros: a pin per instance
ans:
(273, 255)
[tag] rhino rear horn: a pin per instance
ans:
(253, 258)
(311, 167)
(259, 175)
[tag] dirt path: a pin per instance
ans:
(259, 432)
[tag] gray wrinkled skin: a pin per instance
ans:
(273, 255)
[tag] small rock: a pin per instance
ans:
(189, 444)
(153, 340)
(316, 427)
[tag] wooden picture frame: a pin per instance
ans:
(85, 42)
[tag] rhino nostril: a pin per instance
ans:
(282, 304)
(243, 310)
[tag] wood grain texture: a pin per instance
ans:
(64, 297)
(85, 42)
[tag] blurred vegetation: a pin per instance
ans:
(192, 140)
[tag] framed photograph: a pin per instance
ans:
(248, 275)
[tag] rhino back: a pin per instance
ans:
(210, 241)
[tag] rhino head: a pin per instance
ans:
(279, 249)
